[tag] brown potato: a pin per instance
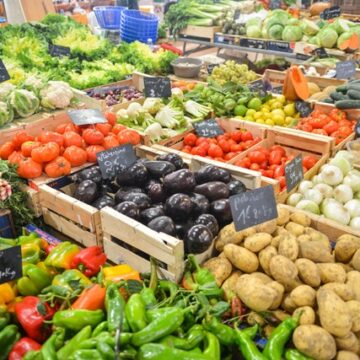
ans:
(316, 251)
(316, 235)
(241, 258)
(279, 230)
(279, 294)
(294, 228)
(307, 315)
(346, 267)
(267, 227)
(303, 295)
(343, 290)
(355, 261)
(354, 308)
(289, 247)
(276, 240)
(257, 242)
(287, 304)
(230, 283)
(220, 267)
(348, 342)
(283, 270)
(265, 256)
(353, 279)
(330, 272)
(255, 318)
(262, 277)
(346, 355)
(308, 272)
(333, 312)
(303, 238)
(280, 315)
(314, 341)
(300, 219)
(228, 235)
(283, 216)
(346, 246)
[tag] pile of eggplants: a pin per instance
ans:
(167, 197)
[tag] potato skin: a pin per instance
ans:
(316, 251)
(283, 216)
(346, 246)
(262, 277)
(308, 272)
(241, 258)
(354, 309)
(267, 227)
(300, 219)
(303, 295)
(228, 235)
(288, 304)
(289, 247)
(314, 341)
(294, 228)
(230, 283)
(333, 313)
(355, 261)
(265, 256)
(331, 272)
(307, 315)
(220, 267)
(346, 355)
(348, 342)
(283, 270)
(279, 289)
(257, 242)
(343, 290)
(316, 235)
(353, 280)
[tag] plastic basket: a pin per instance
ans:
(109, 17)
(137, 25)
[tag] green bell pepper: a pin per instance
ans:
(77, 319)
(71, 280)
(86, 354)
(33, 280)
(194, 337)
(9, 335)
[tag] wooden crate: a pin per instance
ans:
(306, 49)
(294, 144)
(129, 241)
(206, 33)
(322, 70)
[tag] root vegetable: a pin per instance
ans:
(331, 272)
(265, 256)
(284, 271)
(295, 228)
(289, 247)
(220, 267)
(346, 355)
(288, 304)
(241, 258)
(348, 342)
(257, 242)
(230, 283)
(228, 235)
(353, 280)
(316, 251)
(300, 219)
(307, 315)
(355, 261)
(303, 295)
(308, 272)
(283, 216)
(354, 309)
(343, 290)
(279, 289)
(345, 247)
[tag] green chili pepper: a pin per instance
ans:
(225, 334)
(212, 349)
(135, 313)
(103, 326)
(9, 335)
(88, 344)
(153, 314)
(247, 347)
(90, 354)
(105, 350)
(274, 348)
(160, 327)
(77, 319)
(115, 308)
(148, 297)
(72, 345)
(48, 350)
(292, 354)
(169, 287)
(33, 355)
(128, 353)
(219, 308)
(4, 318)
(201, 275)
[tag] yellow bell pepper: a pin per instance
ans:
(114, 272)
(7, 293)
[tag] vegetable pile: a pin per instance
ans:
(56, 152)
(166, 197)
(334, 192)
(346, 96)
(285, 268)
(113, 95)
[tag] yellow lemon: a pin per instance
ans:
(278, 120)
(278, 113)
(281, 99)
(258, 115)
(260, 121)
(288, 120)
(276, 105)
(265, 108)
(250, 113)
(289, 109)
(269, 122)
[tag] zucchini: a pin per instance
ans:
(336, 96)
(347, 104)
(342, 88)
(328, 101)
(357, 81)
(351, 86)
(353, 94)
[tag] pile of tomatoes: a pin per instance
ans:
(222, 148)
(271, 162)
(334, 124)
(56, 152)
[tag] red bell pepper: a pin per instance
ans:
(23, 346)
(89, 260)
(171, 48)
(31, 313)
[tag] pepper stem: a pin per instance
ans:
(153, 277)
(194, 262)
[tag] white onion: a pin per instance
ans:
(357, 195)
(333, 210)
(353, 180)
(294, 198)
(326, 190)
(354, 207)
(355, 223)
(343, 154)
(309, 206)
(331, 175)
(314, 195)
(305, 185)
(343, 193)
(343, 164)
(317, 179)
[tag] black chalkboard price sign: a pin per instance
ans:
(4, 75)
(293, 172)
(320, 52)
(211, 67)
(158, 87)
(333, 12)
(59, 51)
(116, 159)
(208, 128)
(237, 14)
(277, 90)
(345, 69)
(257, 85)
(303, 107)
(253, 207)
(302, 56)
(10, 264)
(86, 116)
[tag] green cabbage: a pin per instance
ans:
(340, 26)
(254, 21)
(309, 28)
(253, 31)
(292, 33)
(314, 40)
(6, 113)
(24, 102)
(328, 37)
(264, 33)
(275, 32)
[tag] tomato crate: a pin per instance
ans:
(294, 144)
(129, 241)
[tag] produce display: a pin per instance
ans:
(346, 96)
(334, 192)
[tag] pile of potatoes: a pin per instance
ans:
(287, 267)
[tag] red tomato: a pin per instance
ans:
(264, 150)
(6, 150)
(93, 136)
(236, 148)
(215, 151)
(91, 152)
(279, 171)
(60, 128)
(75, 155)
(257, 139)
(236, 136)
(110, 141)
(275, 157)
(45, 152)
(247, 144)
(306, 127)
(198, 150)
(63, 128)
(339, 137)
(29, 168)
(278, 148)
(200, 140)
(28, 146)
(268, 173)
(263, 165)
(317, 123)
(346, 131)
(246, 135)
(51, 136)
(255, 166)
(331, 126)
(224, 144)
(118, 128)
(110, 117)
(58, 167)
(256, 156)
(245, 163)
(129, 137)
(319, 132)
(229, 155)
(15, 157)
(281, 180)
(309, 161)
(103, 128)
(19, 138)
(345, 122)
(72, 138)
(190, 139)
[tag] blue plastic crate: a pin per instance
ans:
(109, 17)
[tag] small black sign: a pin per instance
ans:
(59, 51)
(253, 43)
(208, 128)
(357, 129)
(253, 207)
(257, 85)
(237, 14)
(345, 69)
(10, 264)
(293, 172)
(320, 52)
(277, 90)
(116, 159)
(4, 75)
(157, 87)
(211, 67)
(303, 107)
(86, 116)
(303, 56)
(333, 12)
(275, 4)
(280, 46)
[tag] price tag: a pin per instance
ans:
(320, 52)
(277, 90)
(116, 159)
(10, 264)
(237, 14)
(253, 43)
(86, 116)
(275, 4)
(4, 75)
(303, 107)
(158, 87)
(59, 51)
(357, 129)
(280, 46)
(257, 85)
(211, 67)
(293, 172)
(345, 69)
(208, 128)
(253, 207)
(333, 12)
(303, 56)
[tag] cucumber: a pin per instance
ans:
(351, 86)
(353, 94)
(347, 104)
(342, 88)
(336, 96)
(357, 81)
(328, 101)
